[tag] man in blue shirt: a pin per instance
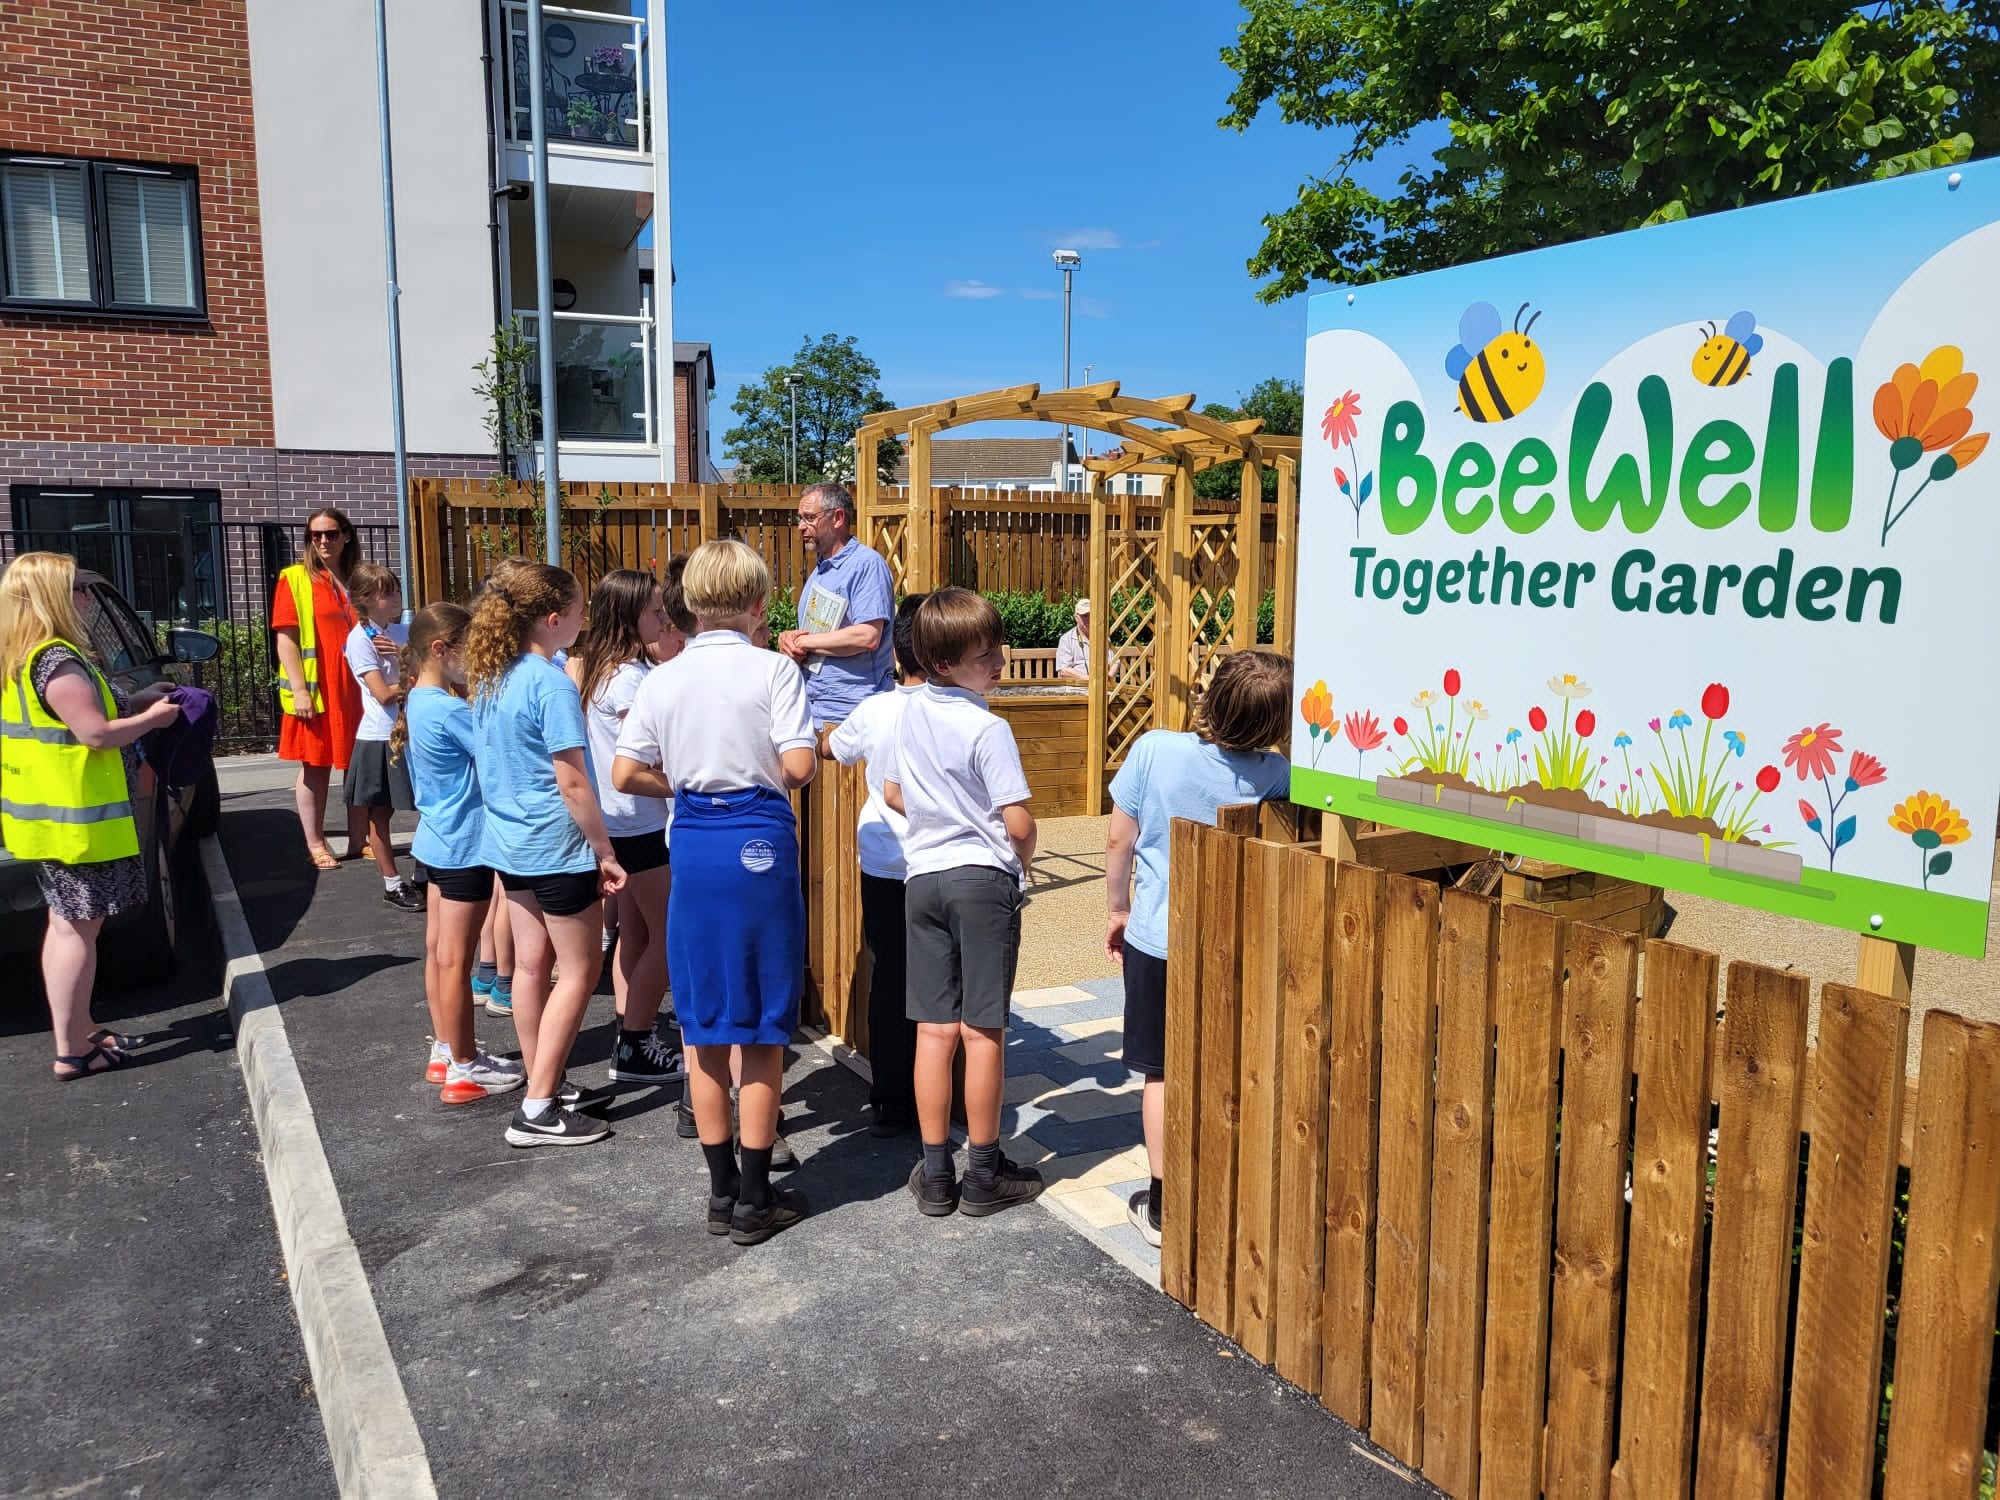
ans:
(842, 641)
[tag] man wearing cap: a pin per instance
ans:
(1073, 650)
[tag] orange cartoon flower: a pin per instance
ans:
(1933, 825)
(1317, 708)
(1924, 409)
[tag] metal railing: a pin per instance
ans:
(594, 84)
(217, 576)
(605, 376)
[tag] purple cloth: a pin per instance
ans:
(181, 751)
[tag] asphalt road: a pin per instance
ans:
(151, 1348)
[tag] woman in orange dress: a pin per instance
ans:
(321, 716)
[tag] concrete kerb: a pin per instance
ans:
(377, 1451)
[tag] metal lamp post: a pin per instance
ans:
(399, 435)
(545, 296)
(1069, 260)
(792, 446)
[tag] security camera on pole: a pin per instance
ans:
(1069, 260)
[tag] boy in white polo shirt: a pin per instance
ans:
(970, 840)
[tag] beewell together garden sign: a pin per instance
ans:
(1675, 555)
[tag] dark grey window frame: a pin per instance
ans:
(96, 170)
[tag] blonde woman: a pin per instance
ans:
(67, 789)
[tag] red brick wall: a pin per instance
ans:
(683, 428)
(167, 81)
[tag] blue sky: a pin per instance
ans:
(901, 172)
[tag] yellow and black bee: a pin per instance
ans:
(1724, 358)
(1499, 373)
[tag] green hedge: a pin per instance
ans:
(1034, 623)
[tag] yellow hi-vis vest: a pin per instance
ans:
(299, 580)
(60, 799)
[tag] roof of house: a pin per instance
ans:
(977, 461)
(691, 353)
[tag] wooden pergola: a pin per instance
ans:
(1169, 590)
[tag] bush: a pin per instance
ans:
(1033, 623)
(782, 611)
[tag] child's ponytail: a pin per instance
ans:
(515, 597)
(443, 621)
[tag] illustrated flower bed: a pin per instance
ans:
(1681, 786)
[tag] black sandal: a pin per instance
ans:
(113, 1041)
(81, 1063)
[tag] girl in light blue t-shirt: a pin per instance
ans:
(542, 833)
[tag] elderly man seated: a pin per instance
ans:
(1073, 650)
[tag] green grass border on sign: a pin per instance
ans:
(1930, 919)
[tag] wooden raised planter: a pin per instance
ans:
(1049, 722)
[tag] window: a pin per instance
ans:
(159, 548)
(103, 237)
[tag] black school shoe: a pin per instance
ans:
(937, 1197)
(1011, 1183)
(720, 1211)
(650, 1058)
(404, 897)
(753, 1226)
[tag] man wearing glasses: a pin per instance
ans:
(842, 640)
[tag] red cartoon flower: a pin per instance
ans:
(1338, 426)
(1767, 779)
(1586, 723)
(1810, 752)
(1402, 725)
(1364, 731)
(1809, 813)
(1537, 720)
(1715, 701)
(1864, 769)
(1451, 682)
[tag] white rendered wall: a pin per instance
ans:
(318, 169)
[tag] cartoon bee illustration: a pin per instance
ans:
(1499, 373)
(1724, 358)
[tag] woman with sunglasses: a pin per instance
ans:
(312, 616)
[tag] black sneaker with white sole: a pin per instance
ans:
(646, 1057)
(1010, 1183)
(556, 1127)
(753, 1226)
(568, 1095)
(1144, 1217)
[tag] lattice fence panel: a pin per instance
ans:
(888, 534)
(1214, 564)
(1138, 604)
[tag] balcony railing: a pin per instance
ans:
(594, 66)
(604, 376)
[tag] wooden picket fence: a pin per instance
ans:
(1444, 1165)
(829, 808)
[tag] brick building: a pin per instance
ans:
(192, 323)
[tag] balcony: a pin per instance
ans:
(595, 85)
(606, 380)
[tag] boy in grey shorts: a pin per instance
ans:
(957, 778)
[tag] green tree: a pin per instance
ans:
(1581, 117)
(837, 388)
(1282, 405)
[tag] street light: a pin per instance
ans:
(1069, 260)
(792, 449)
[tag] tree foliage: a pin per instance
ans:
(1581, 117)
(1282, 405)
(837, 389)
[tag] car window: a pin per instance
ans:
(119, 640)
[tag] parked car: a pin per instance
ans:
(143, 941)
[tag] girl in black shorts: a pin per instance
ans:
(631, 629)
(435, 738)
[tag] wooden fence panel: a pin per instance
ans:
(1761, 1078)
(1221, 1043)
(1590, 1210)
(1403, 1190)
(1527, 1048)
(1676, 1030)
(1857, 1096)
(1462, 1135)
(1305, 1036)
(1179, 1212)
(1262, 1082)
(1353, 1094)
(1944, 1334)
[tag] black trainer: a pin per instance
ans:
(684, 1123)
(556, 1127)
(753, 1226)
(650, 1058)
(568, 1094)
(936, 1197)
(1144, 1217)
(720, 1211)
(404, 896)
(1010, 1183)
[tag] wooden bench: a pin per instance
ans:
(1038, 663)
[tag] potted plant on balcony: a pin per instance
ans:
(609, 59)
(585, 119)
